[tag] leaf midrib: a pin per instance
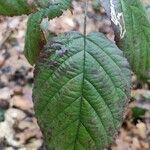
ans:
(82, 87)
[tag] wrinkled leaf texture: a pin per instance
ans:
(81, 88)
(2, 113)
(136, 41)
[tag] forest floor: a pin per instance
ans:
(19, 129)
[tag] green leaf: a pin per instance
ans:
(34, 40)
(132, 28)
(96, 5)
(21, 7)
(14, 7)
(141, 105)
(2, 113)
(42, 3)
(56, 9)
(138, 112)
(80, 91)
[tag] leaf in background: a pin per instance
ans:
(58, 8)
(138, 112)
(96, 5)
(34, 40)
(132, 28)
(22, 7)
(2, 113)
(142, 103)
(14, 7)
(42, 3)
(80, 91)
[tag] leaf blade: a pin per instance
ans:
(132, 18)
(34, 39)
(71, 100)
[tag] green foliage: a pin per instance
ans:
(39, 10)
(21, 7)
(2, 112)
(35, 42)
(14, 7)
(42, 3)
(132, 28)
(82, 84)
(138, 112)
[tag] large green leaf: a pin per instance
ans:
(34, 40)
(132, 28)
(80, 91)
